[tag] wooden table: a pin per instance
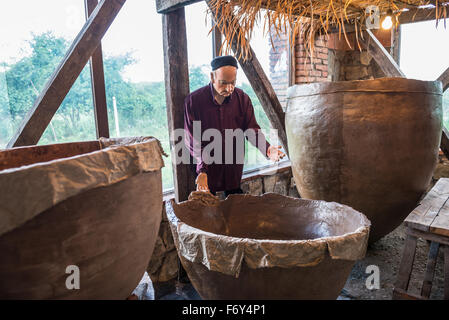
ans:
(429, 221)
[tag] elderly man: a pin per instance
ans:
(221, 106)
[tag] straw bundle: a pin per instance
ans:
(236, 19)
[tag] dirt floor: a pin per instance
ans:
(386, 254)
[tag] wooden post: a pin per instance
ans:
(291, 59)
(98, 84)
(57, 87)
(444, 78)
(262, 87)
(176, 71)
(396, 44)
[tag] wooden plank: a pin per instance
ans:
(444, 145)
(406, 266)
(428, 236)
(440, 225)
(417, 218)
(444, 78)
(262, 87)
(82, 48)
(165, 6)
(381, 56)
(98, 83)
(422, 217)
(430, 269)
(176, 72)
(446, 271)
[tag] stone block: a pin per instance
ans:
(365, 58)
(157, 258)
(254, 187)
(169, 268)
(167, 237)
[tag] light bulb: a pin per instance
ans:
(387, 23)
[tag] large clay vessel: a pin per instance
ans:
(369, 144)
(268, 247)
(95, 205)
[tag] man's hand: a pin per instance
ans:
(274, 153)
(201, 182)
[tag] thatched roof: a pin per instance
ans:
(306, 17)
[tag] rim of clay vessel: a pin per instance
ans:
(364, 222)
(385, 85)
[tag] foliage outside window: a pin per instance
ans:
(34, 41)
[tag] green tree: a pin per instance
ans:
(197, 77)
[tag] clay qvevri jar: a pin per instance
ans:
(369, 144)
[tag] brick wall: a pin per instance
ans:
(312, 70)
(349, 63)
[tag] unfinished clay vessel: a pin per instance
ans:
(94, 205)
(369, 144)
(267, 247)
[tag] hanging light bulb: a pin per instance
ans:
(387, 21)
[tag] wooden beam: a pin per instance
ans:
(57, 87)
(381, 56)
(98, 84)
(262, 87)
(417, 15)
(444, 78)
(176, 72)
(165, 6)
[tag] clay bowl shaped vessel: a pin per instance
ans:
(78, 220)
(268, 247)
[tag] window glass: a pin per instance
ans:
(274, 61)
(134, 75)
(424, 54)
(34, 37)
